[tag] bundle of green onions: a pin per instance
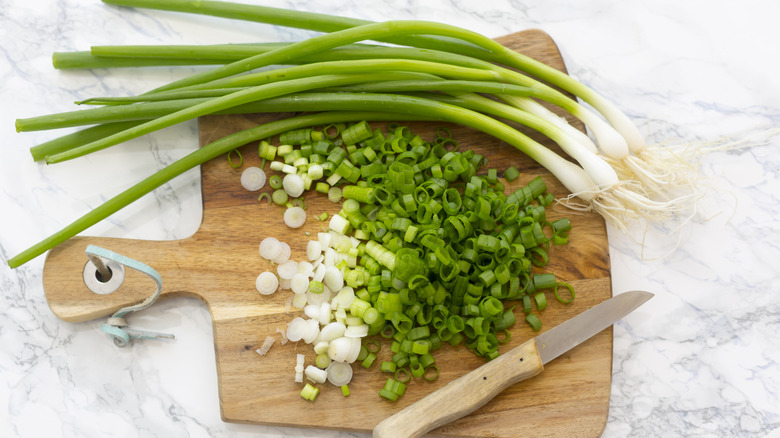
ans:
(439, 72)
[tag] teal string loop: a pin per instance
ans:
(116, 326)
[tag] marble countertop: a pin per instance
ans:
(700, 359)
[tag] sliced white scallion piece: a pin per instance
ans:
(299, 300)
(321, 347)
(339, 349)
(305, 268)
(344, 349)
(312, 311)
(313, 250)
(339, 373)
(284, 254)
(288, 304)
(322, 360)
(353, 320)
(339, 224)
(342, 243)
(289, 169)
(269, 341)
(332, 331)
(299, 283)
(356, 331)
(312, 331)
(325, 316)
(320, 298)
(324, 239)
(287, 270)
(344, 297)
(253, 179)
(354, 349)
(283, 334)
(284, 283)
(340, 315)
(315, 171)
(331, 257)
(294, 217)
(299, 369)
(319, 273)
(334, 279)
(355, 242)
(293, 185)
(267, 283)
(315, 374)
(270, 247)
(296, 329)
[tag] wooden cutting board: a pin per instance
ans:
(220, 262)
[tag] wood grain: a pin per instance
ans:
(220, 262)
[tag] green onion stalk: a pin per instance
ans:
(236, 91)
(660, 172)
(522, 100)
(175, 110)
(447, 38)
(601, 173)
(608, 138)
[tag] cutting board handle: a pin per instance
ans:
(72, 300)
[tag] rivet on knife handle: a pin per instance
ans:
(463, 395)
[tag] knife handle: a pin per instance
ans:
(463, 395)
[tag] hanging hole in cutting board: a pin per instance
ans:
(103, 284)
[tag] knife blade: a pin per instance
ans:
(471, 391)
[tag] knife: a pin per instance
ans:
(469, 392)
